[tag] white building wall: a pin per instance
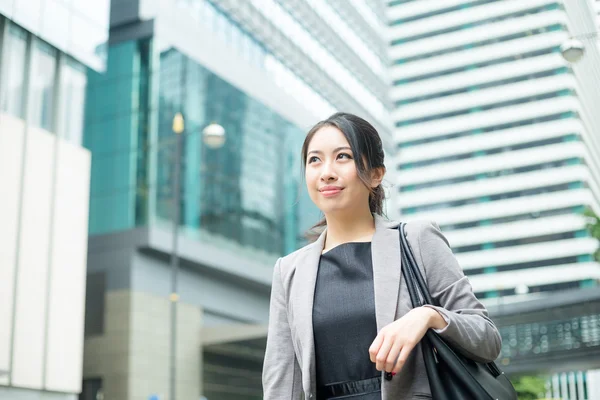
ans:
(43, 252)
(497, 140)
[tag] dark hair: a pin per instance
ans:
(367, 150)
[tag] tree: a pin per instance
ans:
(530, 387)
(593, 227)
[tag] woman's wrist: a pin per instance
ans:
(435, 320)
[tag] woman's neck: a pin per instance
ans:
(342, 229)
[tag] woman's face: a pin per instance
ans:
(331, 176)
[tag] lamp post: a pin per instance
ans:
(178, 128)
(214, 137)
(573, 49)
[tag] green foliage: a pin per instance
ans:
(530, 387)
(593, 227)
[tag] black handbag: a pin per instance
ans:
(452, 376)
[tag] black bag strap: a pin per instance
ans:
(417, 287)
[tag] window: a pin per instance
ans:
(487, 107)
(513, 218)
(495, 197)
(525, 265)
(495, 150)
(493, 128)
(493, 174)
(519, 242)
(486, 85)
(94, 304)
(483, 64)
(73, 83)
(506, 38)
(434, 13)
(42, 85)
(486, 21)
(13, 69)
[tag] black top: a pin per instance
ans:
(344, 321)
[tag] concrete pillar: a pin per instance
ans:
(132, 357)
(593, 384)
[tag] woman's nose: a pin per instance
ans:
(327, 174)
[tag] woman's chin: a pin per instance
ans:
(330, 209)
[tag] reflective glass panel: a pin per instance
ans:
(13, 69)
(42, 85)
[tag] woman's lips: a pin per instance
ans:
(330, 192)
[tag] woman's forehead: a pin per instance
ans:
(328, 137)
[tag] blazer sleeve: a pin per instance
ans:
(469, 327)
(281, 376)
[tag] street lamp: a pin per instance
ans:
(178, 128)
(178, 123)
(214, 137)
(572, 50)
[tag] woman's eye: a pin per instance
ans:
(345, 155)
(313, 159)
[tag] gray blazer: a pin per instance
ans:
(289, 365)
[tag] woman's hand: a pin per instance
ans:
(393, 344)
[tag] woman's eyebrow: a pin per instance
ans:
(334, 150)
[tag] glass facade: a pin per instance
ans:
(520, 242)
(482, 43)
(527, 340)
(487, 85)
(254, 52)
(247, 192)
(73, 81)
(75, 27)
(40, 84)
(496, 197)
(492, 128)
(13, 71)
(495, 150)
(485, 21)
(483, 64)
(433, 13)
(487, 107)
(514, 218)
(495, 174)
(334, 68)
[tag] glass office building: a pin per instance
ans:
(46, 47)
(247, 191)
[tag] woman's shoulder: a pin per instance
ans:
(420, 226)
(416, 226)
(290, 259)
(421, 230)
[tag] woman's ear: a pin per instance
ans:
(377, 175)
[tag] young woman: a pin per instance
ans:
(340, 314)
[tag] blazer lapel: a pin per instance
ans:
(385, 253)
(306, 274)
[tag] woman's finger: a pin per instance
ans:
(403, 356)
(375, 346)
(393, 355)
(381, 358)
